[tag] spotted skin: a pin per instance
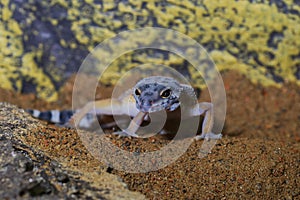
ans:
(149, 97)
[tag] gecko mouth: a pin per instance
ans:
(150, 108)
(158, 107)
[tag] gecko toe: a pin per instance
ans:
(208, 136)
(125, 134)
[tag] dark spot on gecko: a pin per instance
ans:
(65, 116)
(148, 94)
(45, 115)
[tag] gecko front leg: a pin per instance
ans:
(133, 126)
(206, 109)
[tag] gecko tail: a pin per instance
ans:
(60, 117)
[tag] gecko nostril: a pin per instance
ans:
(148, 103)
(151, 102)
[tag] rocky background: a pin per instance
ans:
(44, 42)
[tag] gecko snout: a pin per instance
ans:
(150, 102)
(147, 103)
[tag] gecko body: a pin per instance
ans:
(149, 95)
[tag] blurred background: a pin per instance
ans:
(43, 43)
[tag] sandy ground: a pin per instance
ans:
(258, 157)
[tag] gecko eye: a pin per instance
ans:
(137, 92)
(165, 93)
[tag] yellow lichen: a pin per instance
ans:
(238, 34)
(30, 70)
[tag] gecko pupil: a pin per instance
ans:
(137, 92)
(166, 93)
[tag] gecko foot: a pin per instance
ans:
(208, 136)
(125, 133)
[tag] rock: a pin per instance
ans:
(28, 169)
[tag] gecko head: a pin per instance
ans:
(157, 93)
